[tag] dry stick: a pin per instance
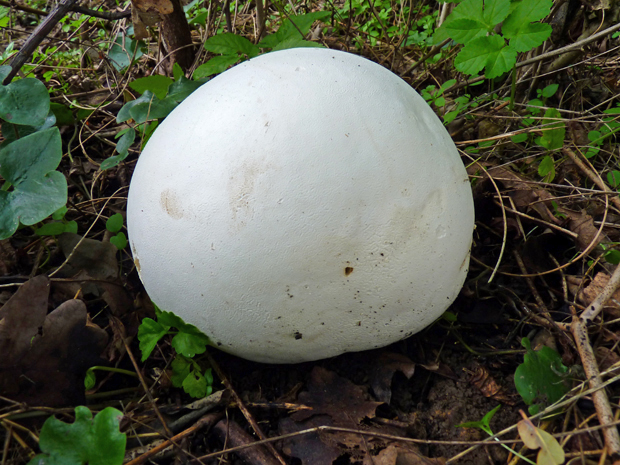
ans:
(246, 413)
(597, 304)
(230, 432)
(599, 397)
(590, 173)
(207, 420)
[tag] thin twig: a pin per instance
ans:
(246, 413)
(599, 397)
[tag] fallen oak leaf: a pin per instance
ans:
(551, 453)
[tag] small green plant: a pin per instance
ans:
(541, 378)
(114, 225)
(234, 48)
(188, 341)
(59, 225)
(485, 425)
(473, 23)
(29, 155)
(88, 440)
(610, 126)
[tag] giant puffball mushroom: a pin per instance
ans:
(300, 205)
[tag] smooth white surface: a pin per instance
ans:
(256, 197)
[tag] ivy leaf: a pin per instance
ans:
(146, 107)
(119, 241)
(528, 36)
(527, 11)
(24, 102)
(539, 378)
(89, 441)
(31, 157)
(149, 334)
(114, 223)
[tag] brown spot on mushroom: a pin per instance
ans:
(137, 263)
(171, 204)
(298, 335)
(348, 270)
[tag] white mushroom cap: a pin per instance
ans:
(303, 204)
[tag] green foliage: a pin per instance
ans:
(92, 441)
(472, 23)
(541, 378)
(125, 50)
(114, 225)
(610, 126)
(188, 341)
(485, 425)
(29, 156)
(160, 95)
(233, 48)
(59, 226)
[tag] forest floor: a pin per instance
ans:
(545, 176)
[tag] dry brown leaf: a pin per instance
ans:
(383, 368)
(45, 356)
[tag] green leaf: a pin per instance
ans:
(518, 138)
(546, 168)
(149, 334)
(4, 71)
(495, 11)
(303, 23)
(296, 42)
(554, 131)
(490, 52)
(36, 199)
(484, 424)
(89, 441)
(24, 102)
(113, 161)
(31, 157)
(64, 116)
(123, 50)
(156, 83)
(468, 9)
(229, 43)
(60, 213)
(295, 27)
(90, 379)
(180, 370)
(177, 72)
(195, 385)
(123, 144)
(550, 90)
(119, 241)
(215, 65)
(146, 107)
(189, 344)
(540, 377)
(54, 228)
(180, 90)
(613, 178)
(528, 36)
(114, 223)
